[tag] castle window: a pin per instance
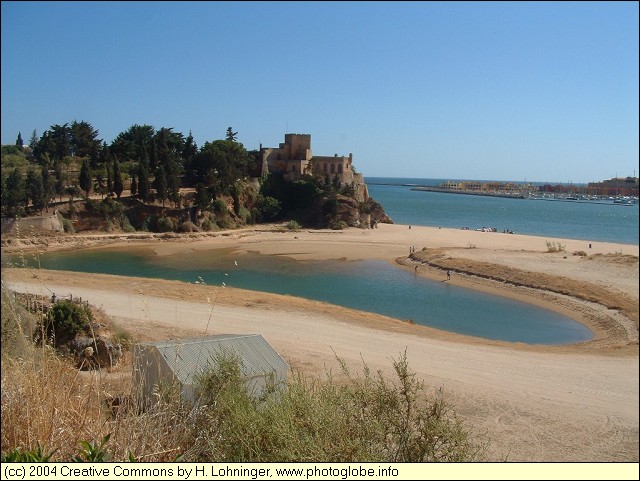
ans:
(324, 168)
(339, 168)
(333, 168)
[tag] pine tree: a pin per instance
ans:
(35, 190)
(14, 194)
(19, 142)
(231, 135)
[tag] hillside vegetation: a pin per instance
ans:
(161, 181)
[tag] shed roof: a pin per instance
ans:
(187, 357)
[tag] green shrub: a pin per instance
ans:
(267, 208)
(293, 225)
(188, 226)
(209, 225)
(67, 225)
(219, 207)
(339, 225)
(149, 223)
(165, 224)
(365, 419)
(225, 223)
(65, 319)
(126, 225)
(245, 215)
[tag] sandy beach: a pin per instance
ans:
(533, 403)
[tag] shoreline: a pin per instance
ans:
(563, 403)
(611, 330)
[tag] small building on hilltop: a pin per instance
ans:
(178, 361)
(294, 159)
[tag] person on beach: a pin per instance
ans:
(448, 275)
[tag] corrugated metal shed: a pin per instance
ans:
(186, 357)
(181, 359)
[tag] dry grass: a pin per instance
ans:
(48, 403)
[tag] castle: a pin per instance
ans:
(293, 159)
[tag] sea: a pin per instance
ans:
(379, 286)
(569, 219)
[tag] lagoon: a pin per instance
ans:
(372, 286)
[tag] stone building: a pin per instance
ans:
(293, 159)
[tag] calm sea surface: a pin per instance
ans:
(605, 222)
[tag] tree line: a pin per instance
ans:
(71, 159)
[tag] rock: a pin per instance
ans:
(100, 353)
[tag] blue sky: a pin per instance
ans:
(473, 90)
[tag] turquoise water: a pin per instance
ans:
(374, 286)
(606, 222)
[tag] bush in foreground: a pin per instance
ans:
(366, 418)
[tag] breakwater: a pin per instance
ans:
(433, 188)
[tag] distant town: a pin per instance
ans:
(617, 190)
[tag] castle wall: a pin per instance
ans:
(333, 166)
(297, 146)
(293, 159)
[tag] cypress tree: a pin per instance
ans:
(143, 182)
(60, 179)
(86, 178)
(33, 141)
(134, 185)
(153, 155)
(160, 184)
(49, 187)
(118, 185)
(109, 177)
